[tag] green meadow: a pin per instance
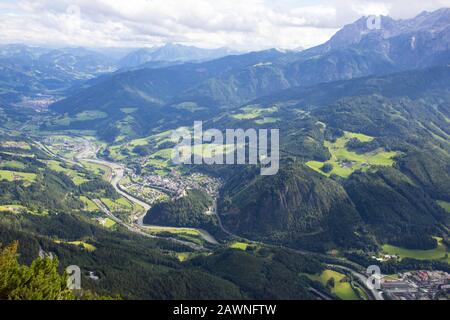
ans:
(439, 253)
(208, 150)
(160, 229)
(20, 154)
(13, 208)
(345, 162)
(115, 152)
(19, 209)
(185, 256)
(239, 245)
(120, 204)
(86, 246)
(342, 287)
(14, 175)
(12, 164)
(254, 113)
(97, 169)
(444, 205)
(184, 234)
(76, 177)
(87, 115)
(89, 205)
(159, 158)
(16, 145)
(108, 223)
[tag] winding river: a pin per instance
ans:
(89, 154)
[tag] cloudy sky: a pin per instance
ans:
(238, 24)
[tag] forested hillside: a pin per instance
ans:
(379, 149)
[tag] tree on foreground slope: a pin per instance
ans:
(40, 281)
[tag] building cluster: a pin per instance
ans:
(207, 184)
(140, 191)
(418, 285)
(385, 257)
(177, 185)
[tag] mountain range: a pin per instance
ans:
(30, 72)
(353, 52)
(173, 53)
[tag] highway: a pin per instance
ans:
(378, 295)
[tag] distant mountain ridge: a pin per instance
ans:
(30, 71)
(27, 72)
(171, 53)
(435, 23)
(355, 51)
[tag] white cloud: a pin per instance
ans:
(241, 24)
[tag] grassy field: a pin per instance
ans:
(97, 169)
(90, 115)
(208, 151)
(435, 254)
(16, 145)
(445, 205)
(88, 247)
(156, 139)
(161, 161)
(239, 245)
(172, 230)
(14, 175)
(115, 153)
(107, 223)
(345, 162)
(254, 113)
(125, 148)
(20, 154)
(119, 205)
(89, 205)
(76, 177)
(184, 234)
(87, 115)
(13, 208)
(165, 154)
(267, 120)
(19, 209)
(185, 256)
(125, 126)
(12, 164)
(189, 106)
(342, 289)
